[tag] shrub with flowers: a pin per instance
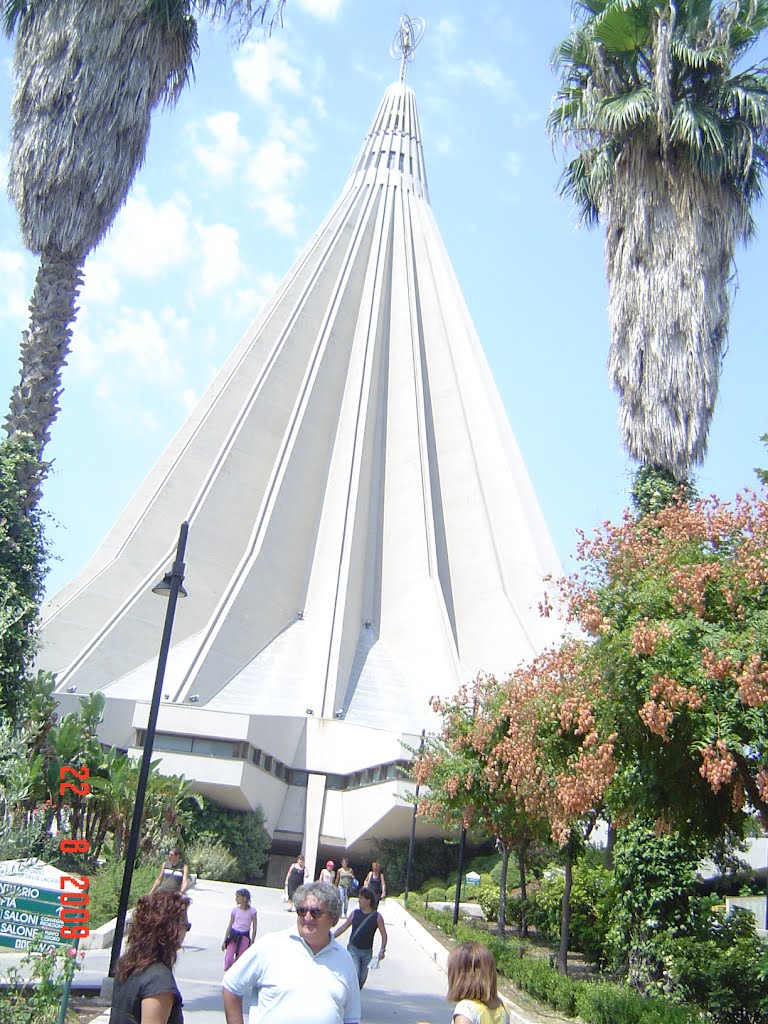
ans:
(32, 993)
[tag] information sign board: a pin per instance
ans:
(30, 905)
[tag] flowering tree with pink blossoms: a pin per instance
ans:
(676, 604)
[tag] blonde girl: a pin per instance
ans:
(473, 986)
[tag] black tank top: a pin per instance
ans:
(363, 929)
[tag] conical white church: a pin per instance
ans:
(363, 533)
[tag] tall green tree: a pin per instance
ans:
(669, 123)
(88, 78)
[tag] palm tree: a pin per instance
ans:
(669, 126)
(88, 77)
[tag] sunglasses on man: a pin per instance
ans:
(314, 912)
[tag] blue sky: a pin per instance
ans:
(238, 177)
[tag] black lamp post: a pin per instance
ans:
(462, 843)
(170, 586)
(413, 825)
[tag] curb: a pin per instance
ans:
(400, 916)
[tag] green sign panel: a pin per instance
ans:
(29, 908)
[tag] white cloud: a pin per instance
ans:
(444, 144)
(136, 419)
(148, 238)
(319, 108)
(295, 131)
(486, 74)
(446, 28)
(246, 303)
(261, 67)
(222, 265)
(272, 170)
(280, 211)
(133, 345)
(143, 345)
(17, 275)
(102, 285)
(226, 147)
(512, 163)
(273, 166)
(321, 8)
(189, 399)
(84, 356)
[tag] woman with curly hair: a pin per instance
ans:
(145, 988)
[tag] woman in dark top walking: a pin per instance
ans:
(364, 923)
(145, 989)
(375, 881)
(174, 874)
(296, 876)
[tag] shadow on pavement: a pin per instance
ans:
(384, 1006)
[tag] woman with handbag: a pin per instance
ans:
(364, 923)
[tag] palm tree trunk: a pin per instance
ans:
(44, 349)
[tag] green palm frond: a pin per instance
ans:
(627, 111)
(699, 58)
(751, 20)
(584, 181)
(746, 97)
(697, 127)
(590, 6)
(623, 27)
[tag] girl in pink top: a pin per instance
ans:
(241, 931)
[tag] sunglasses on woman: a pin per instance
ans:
(314, 912)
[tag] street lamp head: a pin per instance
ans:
(163, 588)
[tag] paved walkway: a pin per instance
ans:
(409, 987)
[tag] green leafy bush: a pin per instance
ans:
(242, 832)
(433, 862)
(23, 563)
(105, 886)
(208, 857)
(720, 966)
(437, 895)
(513, 874)
(545, 984)
(592, 901)
(488, 898)
(654, 878)
(431, 883)
(32, 992)
(603, 1003)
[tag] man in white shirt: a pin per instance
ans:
(302, 976)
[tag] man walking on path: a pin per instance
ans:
(302, 976)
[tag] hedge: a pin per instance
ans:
(595, 1002)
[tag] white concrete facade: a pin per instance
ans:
(363, 532)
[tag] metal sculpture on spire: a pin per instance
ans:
(407, 38)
